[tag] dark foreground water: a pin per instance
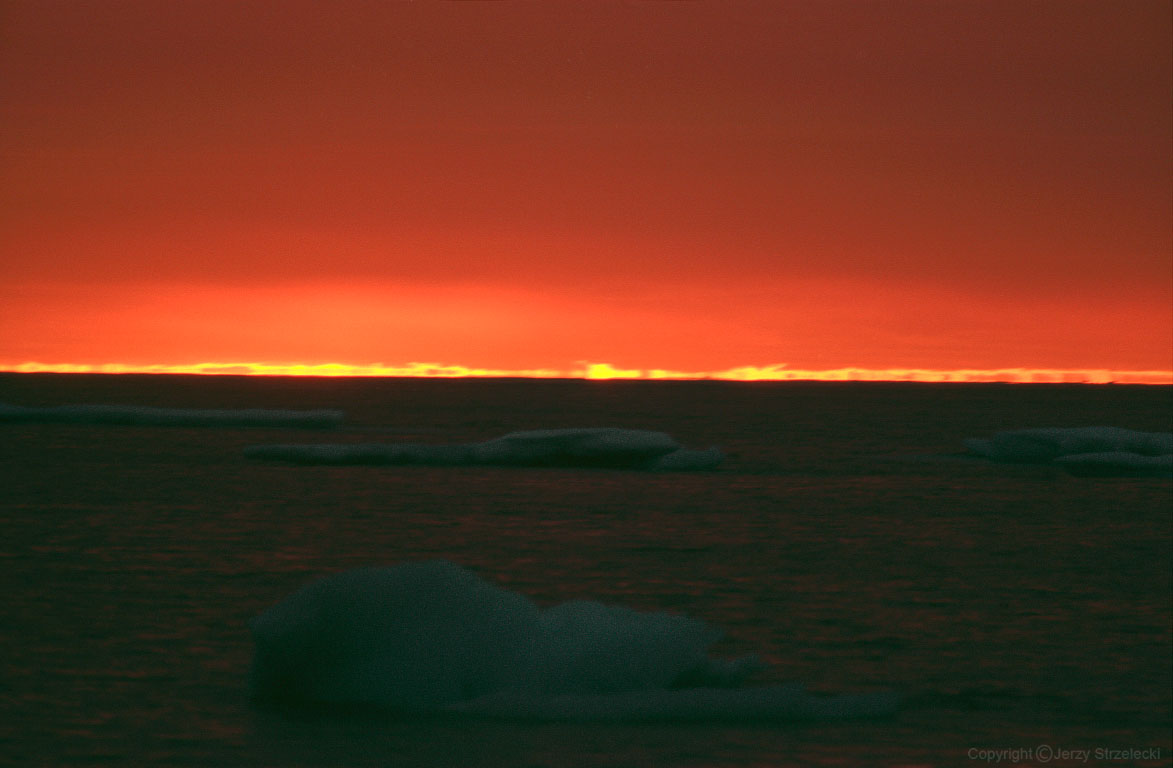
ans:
(1015, 607)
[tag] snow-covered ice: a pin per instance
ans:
(432, 637)
(1082, 450)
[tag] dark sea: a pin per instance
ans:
(1024, 616)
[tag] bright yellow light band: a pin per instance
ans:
(778, 372)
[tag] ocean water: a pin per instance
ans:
(1024, 615)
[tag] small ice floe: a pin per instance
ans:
(432, 637)
(141, 415)
(588, 447)
(1082, 450)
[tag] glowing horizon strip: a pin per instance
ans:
(606, 371)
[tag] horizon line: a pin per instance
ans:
(606, 371)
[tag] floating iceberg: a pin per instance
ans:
(590, 447)
(141, 415)
(432, 637)
(1082, 450)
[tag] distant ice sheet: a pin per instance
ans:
(589, 447)
(139, 415)
(1082, 450)
(432, 637)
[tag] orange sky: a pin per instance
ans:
(682, 186)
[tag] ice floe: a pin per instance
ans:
(1082, 450)
(587, 447)
(432, 637)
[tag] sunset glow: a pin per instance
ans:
(604, 371)
(973, 191)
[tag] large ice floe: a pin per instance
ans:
(434, 638)
(588, 447)
(1082, 450)
(141, 415)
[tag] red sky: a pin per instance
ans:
(685, 186)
